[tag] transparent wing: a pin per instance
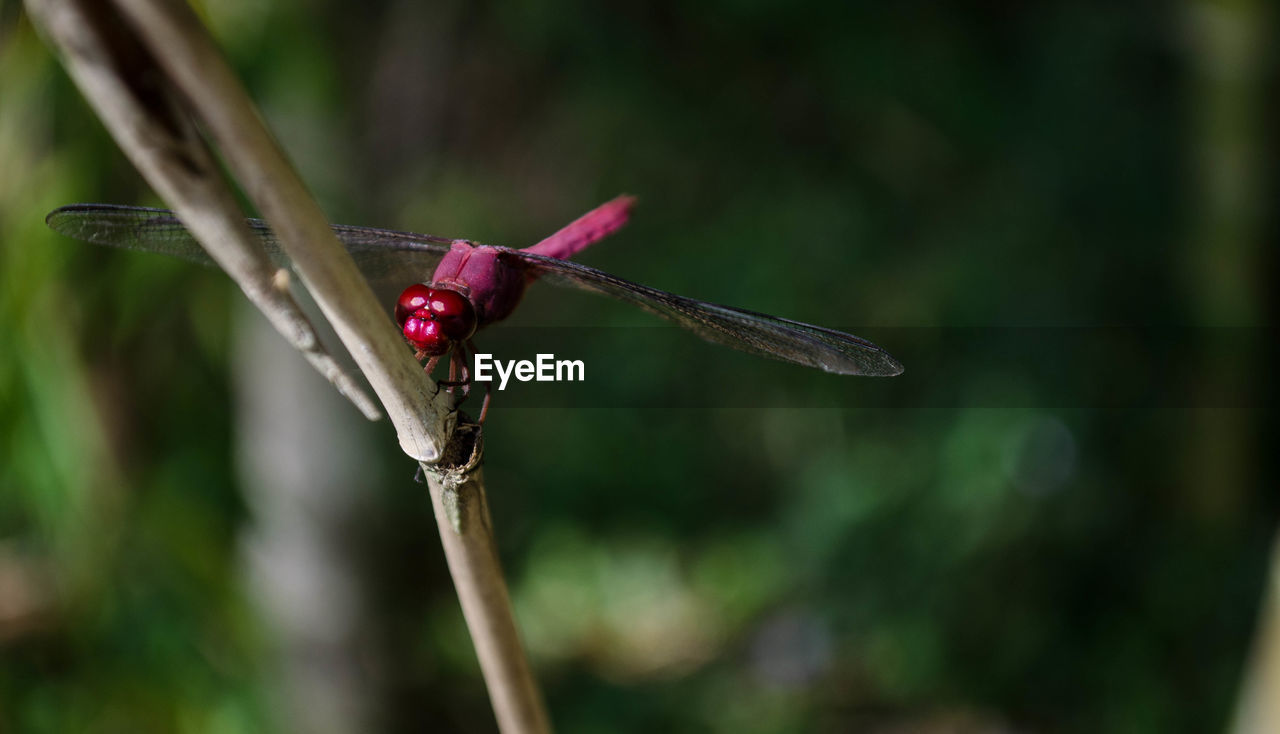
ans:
(393, 258)
(748, 331)
(381, 254)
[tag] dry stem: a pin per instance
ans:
(148, 72)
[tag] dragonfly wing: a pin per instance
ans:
(381, 254)
(748, 331)
(132, 228)
(394, 258)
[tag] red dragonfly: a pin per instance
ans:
(474, 285)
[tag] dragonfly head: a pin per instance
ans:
(433, 319)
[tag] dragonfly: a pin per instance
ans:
(474, 285)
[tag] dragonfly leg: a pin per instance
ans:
(431, 364)
(484, 407)
(460, 353)
(460, 375)
(458, 366)
(488, 389)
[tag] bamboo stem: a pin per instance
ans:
(185, 51)
(466, 532)
(117, 77)
(126, 78)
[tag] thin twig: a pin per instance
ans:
(118, 78)
(1258, 705)
(124, 81)
(183, 48)
(466, 532)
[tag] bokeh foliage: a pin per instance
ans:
(1057, 519)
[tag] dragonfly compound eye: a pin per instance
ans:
(411, 299)
(453, 312)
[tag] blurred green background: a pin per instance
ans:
(1058, 520)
